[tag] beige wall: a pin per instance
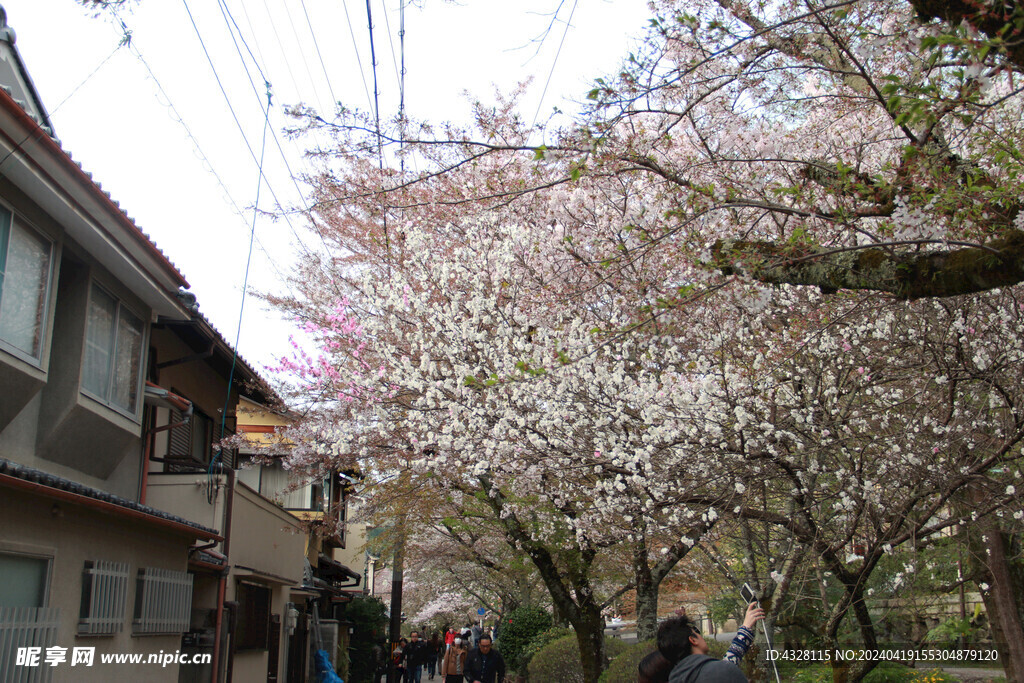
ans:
(267, 546)
(194, 380)
(185, 495)
(353, 555)
(70, 534)
(265, 537)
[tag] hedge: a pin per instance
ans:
(559, 660)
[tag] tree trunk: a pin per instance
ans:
(647, 611)
(1004, 601)
(590, 636)
(647, 588)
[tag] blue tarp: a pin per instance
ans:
(324, 670)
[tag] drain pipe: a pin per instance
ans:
(229, 503)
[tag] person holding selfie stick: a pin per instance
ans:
(680, 641)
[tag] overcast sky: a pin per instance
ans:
(151, 123)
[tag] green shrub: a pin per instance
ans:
(538, 642)
(523, 625)
(623, 668)
(559, 660)
(369, 626)
(886, 672)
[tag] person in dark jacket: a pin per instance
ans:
(485, 664)
(415, 658)
(680, 641)
(435, 650)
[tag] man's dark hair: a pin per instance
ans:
(674, 638)
(483, 638)
(654, 668)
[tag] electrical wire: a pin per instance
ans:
(391, 41)
(355, 46)
(195, 143)
(376, 118)
(42, 129)
(316, 45)
(245, 287)
(551, 73)
(245, 138)
(305, 64)
(280, 149)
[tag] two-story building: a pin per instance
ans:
(87, 569)
(126, 534)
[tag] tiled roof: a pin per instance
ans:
(35, 476)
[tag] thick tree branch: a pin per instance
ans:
(906, 275)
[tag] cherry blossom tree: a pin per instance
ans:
(583, 331)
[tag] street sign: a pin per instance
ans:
(480, 612)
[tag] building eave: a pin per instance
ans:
(30, 480)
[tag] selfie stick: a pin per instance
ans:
(749, 593)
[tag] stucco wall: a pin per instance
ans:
(70, 534)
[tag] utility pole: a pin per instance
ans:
(395, 631)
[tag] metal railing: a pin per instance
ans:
(163, 601)
(104, 597)
(22, 627)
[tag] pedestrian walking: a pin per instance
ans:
(453, 666)
(485, 664)
(415, 658)
(433, 654)
(475, 633)
(398, 658)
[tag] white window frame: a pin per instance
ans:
(106, 400)
(11, 221)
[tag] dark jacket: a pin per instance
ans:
(489, 668)
(705, 669)
(416, 653)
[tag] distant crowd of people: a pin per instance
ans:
(465, 656)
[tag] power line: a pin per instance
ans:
(42, 129)
(245, 287)
(376, 118)
(305, 64)
(355, 46)
(241, 131)
(280, 149)
(316, 45)
(226, 13)
(554, 63)
(195, 142)
(391, 41)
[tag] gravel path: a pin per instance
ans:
(975, 675)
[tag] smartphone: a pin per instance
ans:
(748, 593)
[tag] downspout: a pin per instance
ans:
(229, 504)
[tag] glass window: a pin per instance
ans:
(24, 279)
(253, 627)
(24, 580)
(113, 352)
(289, 490)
